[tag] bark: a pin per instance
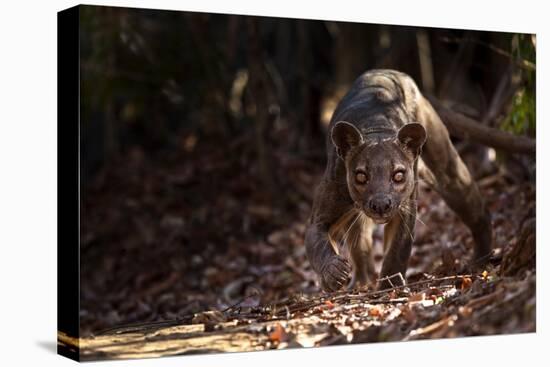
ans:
(466, 128)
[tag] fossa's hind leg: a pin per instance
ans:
(453, 182)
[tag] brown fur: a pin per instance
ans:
(381, 135)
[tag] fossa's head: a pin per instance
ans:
(379, 166)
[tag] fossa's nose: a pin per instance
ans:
(380, 204)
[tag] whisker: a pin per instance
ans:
(406, 225)
(407, 210)
(410, 202)
(420, 220)
(344, 238)
(335, 230)
(362, 223)
(406, 206)
(353, 243)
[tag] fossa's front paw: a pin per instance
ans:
(335, 274)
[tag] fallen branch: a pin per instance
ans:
(370, 296)
(464, 127)
(423, 331)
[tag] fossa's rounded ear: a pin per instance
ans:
(344, 137)
(413, 137)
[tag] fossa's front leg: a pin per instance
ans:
(398, 239)
(333, 269)
(362, 257)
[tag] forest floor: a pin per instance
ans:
(181, 255)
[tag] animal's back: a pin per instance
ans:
(379, 98)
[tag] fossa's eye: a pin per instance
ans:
(361, 177)
(398, 176)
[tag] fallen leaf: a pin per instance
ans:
(464, 311)
(417, 297)
(374, 312)
(329, 304)
(466, 283)
(278, 335)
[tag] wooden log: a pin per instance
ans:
(466, 128)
